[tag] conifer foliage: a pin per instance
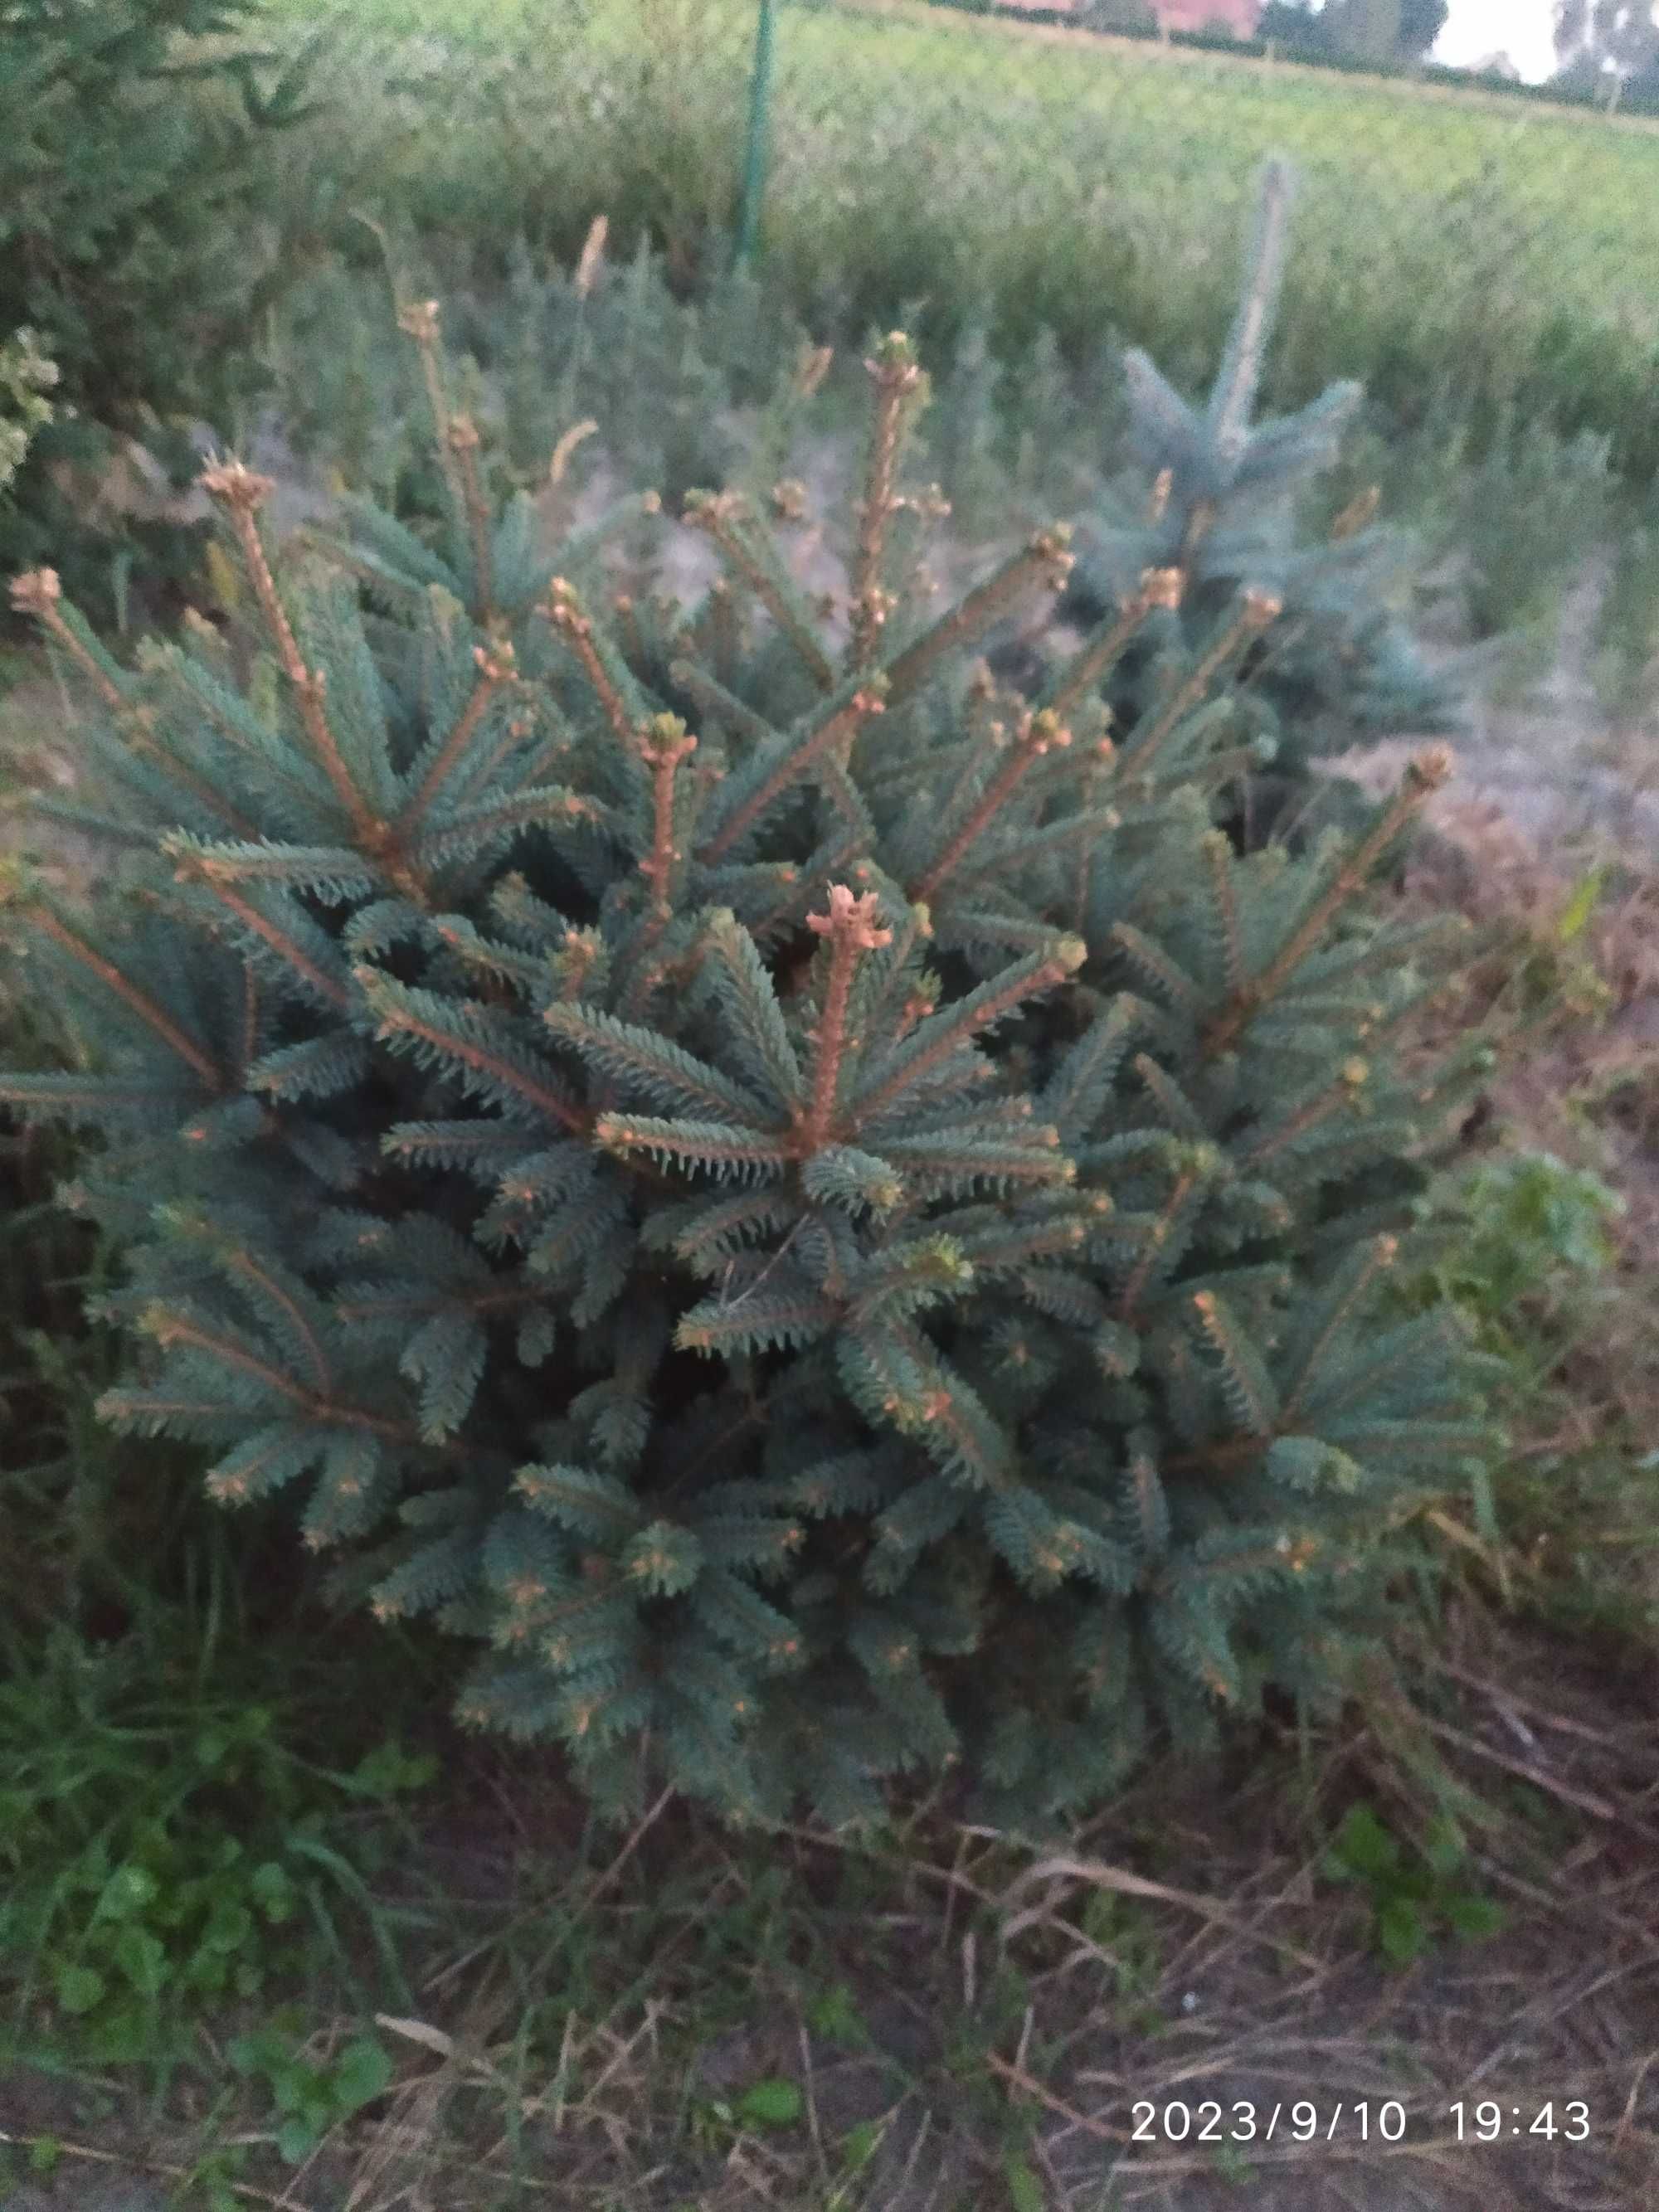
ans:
(1220, 495)
(833, 1232)
(142, 238)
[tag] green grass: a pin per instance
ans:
(918, 155)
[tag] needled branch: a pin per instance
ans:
(242, 1263)
(956, 1026)
(896, 378)
(420, 322)
(216, 878)
(1384, 1251)
(1346, 1091)
(1423, 776)
(690, 1144)
(169, 1330)
(1217, 848)
(532, 771)
(495, 667)
(1249, 1381)
(464, 442)
(1036, 736)
(1234, 395)
(1258, 611)
(195, 1058)
(710, 694)
(564, 611)
(852, 928)
(242, 494)
(725, 638)
(662, 745)
(1157, 1237)
(829, 741)
(719, 513)
(394, 1018)
(672, 745)
(1159, 587)
(39, 594)
(1044, 560)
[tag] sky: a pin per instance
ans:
(1521, 29)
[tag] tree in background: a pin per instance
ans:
(1421, 22)
(1292, 26)
(1382, 31)
(1367, 30)
(1596, 38)
(1133, 18)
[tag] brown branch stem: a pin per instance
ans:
(1160, 587)
(850, 925)
(827, 737)
(169, 1330)
(1156, 1237)
(563, 610)
(718, 513)
(494, 670)
(242, 494)
(1045, 558)
(38, 594)
(1069, 955)
(250, 918)
(896, 376)
(1424, 775)
(141, 1004)
(487, 1063)
(1037, 735)
(1258, 611)
(464, 444)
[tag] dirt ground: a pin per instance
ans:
(1255, 2000)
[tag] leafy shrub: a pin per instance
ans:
(844, 1244)
(1526, 1221)
(1414, 1895)
(311, 2096)
(139, 231)
(183, 1798)
(161, 1840)
(26, 377)
(1526, 1246)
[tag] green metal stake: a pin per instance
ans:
(754, 165)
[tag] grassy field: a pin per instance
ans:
(1501, 248)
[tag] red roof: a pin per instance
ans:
(1240, 16)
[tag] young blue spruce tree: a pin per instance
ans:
(831, 1238)
(1219, 494)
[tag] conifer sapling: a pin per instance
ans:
(1215, 494)
(830, 1232)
